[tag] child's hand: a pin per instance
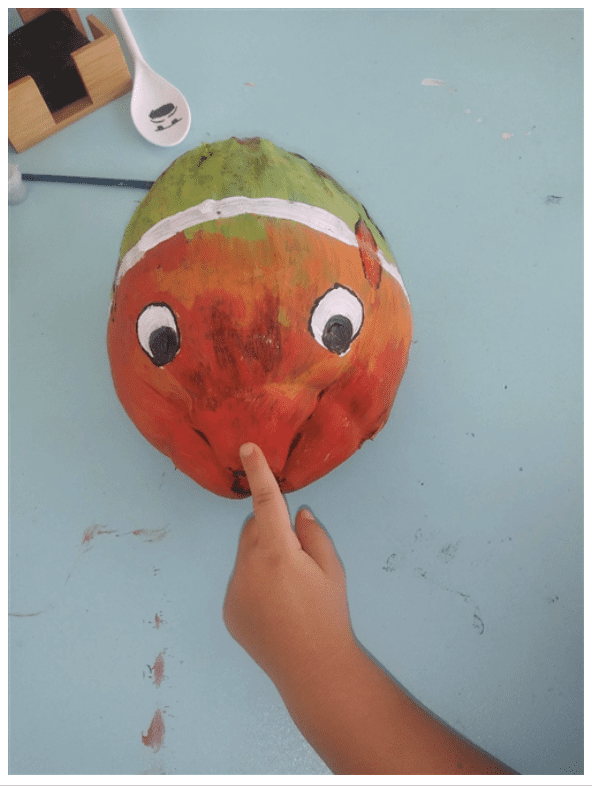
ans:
(286, 602)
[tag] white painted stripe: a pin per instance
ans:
(393, 270)
(314, 217)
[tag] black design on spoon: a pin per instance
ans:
(162, 114)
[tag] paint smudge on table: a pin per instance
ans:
(157, 621)
(158, 670)
(393, 562)
(433, 82)
(448, 552)
(151, 535)
(30, 613)
(96, 529)
(90, 533)
(478, 624)
(155, 736)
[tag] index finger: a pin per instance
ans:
(269, 505)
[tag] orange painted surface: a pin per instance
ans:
(248, 367)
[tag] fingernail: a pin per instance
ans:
(246, 450)
(307, 513)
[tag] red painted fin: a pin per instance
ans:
(369, 253)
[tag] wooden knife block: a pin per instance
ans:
(104, 73)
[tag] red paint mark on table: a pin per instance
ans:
(155, 736)
(151, 535)
(157, 621)
(96, 529)
(158, 670)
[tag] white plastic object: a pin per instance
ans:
(17, 190)
(160, 112)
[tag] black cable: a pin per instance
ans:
(90, 181)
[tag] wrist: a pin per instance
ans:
(319, 671)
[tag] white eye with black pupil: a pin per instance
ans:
(336, 319)
(158, 333)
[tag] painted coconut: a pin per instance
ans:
(255, 300)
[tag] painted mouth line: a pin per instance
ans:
(203, 436)
(298, 436)
(322, 393)
(293, 445)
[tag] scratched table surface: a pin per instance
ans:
(460, 526)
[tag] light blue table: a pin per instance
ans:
(460, 526)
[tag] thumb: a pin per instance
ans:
(318, 545)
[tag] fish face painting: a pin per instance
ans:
(255, 301)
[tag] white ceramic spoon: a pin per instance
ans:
(160, 112)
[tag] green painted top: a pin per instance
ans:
(242, 167)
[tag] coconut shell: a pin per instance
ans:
(255, 301)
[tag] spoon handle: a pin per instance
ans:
(127, 34)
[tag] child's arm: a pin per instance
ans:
(287, 606)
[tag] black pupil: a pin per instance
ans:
(337, 334)
(164, 344)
